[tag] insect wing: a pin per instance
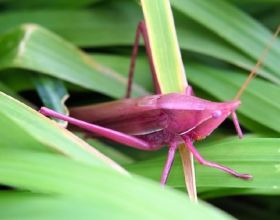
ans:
(132, 116)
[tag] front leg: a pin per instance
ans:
(236, 125)
(117, 136)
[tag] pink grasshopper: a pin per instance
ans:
(151, 122)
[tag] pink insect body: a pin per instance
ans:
(152, 122)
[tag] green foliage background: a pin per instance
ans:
(48, 173)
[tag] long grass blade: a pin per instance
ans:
(169, 66)
(35, 48)
(97, 187)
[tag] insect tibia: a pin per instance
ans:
(258, 65)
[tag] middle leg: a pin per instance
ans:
(168, 163)
(236, 124)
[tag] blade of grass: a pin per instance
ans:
(31, 4)
(169, 66)
(33, 130)
(88, 29)
(165, 49)
(53, 94)
(98, 187)
(34, 48)
(248, 36)
(199, 39)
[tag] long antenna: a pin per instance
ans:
(258, 65)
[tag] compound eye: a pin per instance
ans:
(216, 114)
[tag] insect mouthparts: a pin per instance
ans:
(216, 114)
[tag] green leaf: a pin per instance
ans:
(34, 48)
(28, 4)
(53, 94)
(87, 29)
(97, 187)
(166, 54)
(261, 2)
(24, 128)
(248, 36)
(199, 39)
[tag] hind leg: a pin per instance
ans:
(204, 162)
